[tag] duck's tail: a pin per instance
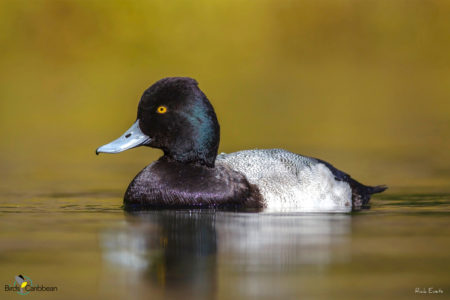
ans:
(377, 189)
(361, 194)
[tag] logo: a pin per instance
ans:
(23, 285)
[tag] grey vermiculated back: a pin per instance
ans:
(258, 159)
(290, 181)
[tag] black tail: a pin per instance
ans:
(361, 194)
(377, 189)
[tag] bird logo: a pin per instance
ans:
(22, 282)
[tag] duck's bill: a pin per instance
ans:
(132, 138)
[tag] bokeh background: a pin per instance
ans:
(364, 85)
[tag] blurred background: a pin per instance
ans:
(364, 85)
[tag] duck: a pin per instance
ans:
(175, 116)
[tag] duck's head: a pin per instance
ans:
(175, 116)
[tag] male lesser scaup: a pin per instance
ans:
(175, 116)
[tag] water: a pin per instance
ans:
(88, 247)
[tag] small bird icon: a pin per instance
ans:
(22, 283)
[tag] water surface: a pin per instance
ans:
(90, 248)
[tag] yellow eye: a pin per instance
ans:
(161, 109)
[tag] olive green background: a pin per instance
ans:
(364, 85)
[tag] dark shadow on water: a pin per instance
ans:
(174, 251)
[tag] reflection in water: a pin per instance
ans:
(183, 253)
(172, 250)
(260, 241)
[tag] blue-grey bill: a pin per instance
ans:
(132, 138)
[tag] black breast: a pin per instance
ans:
(169, 184)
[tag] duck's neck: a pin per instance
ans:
(193, 145)
(190, 158)
(201, 149)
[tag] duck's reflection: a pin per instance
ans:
(172, 250)
(186, 253)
